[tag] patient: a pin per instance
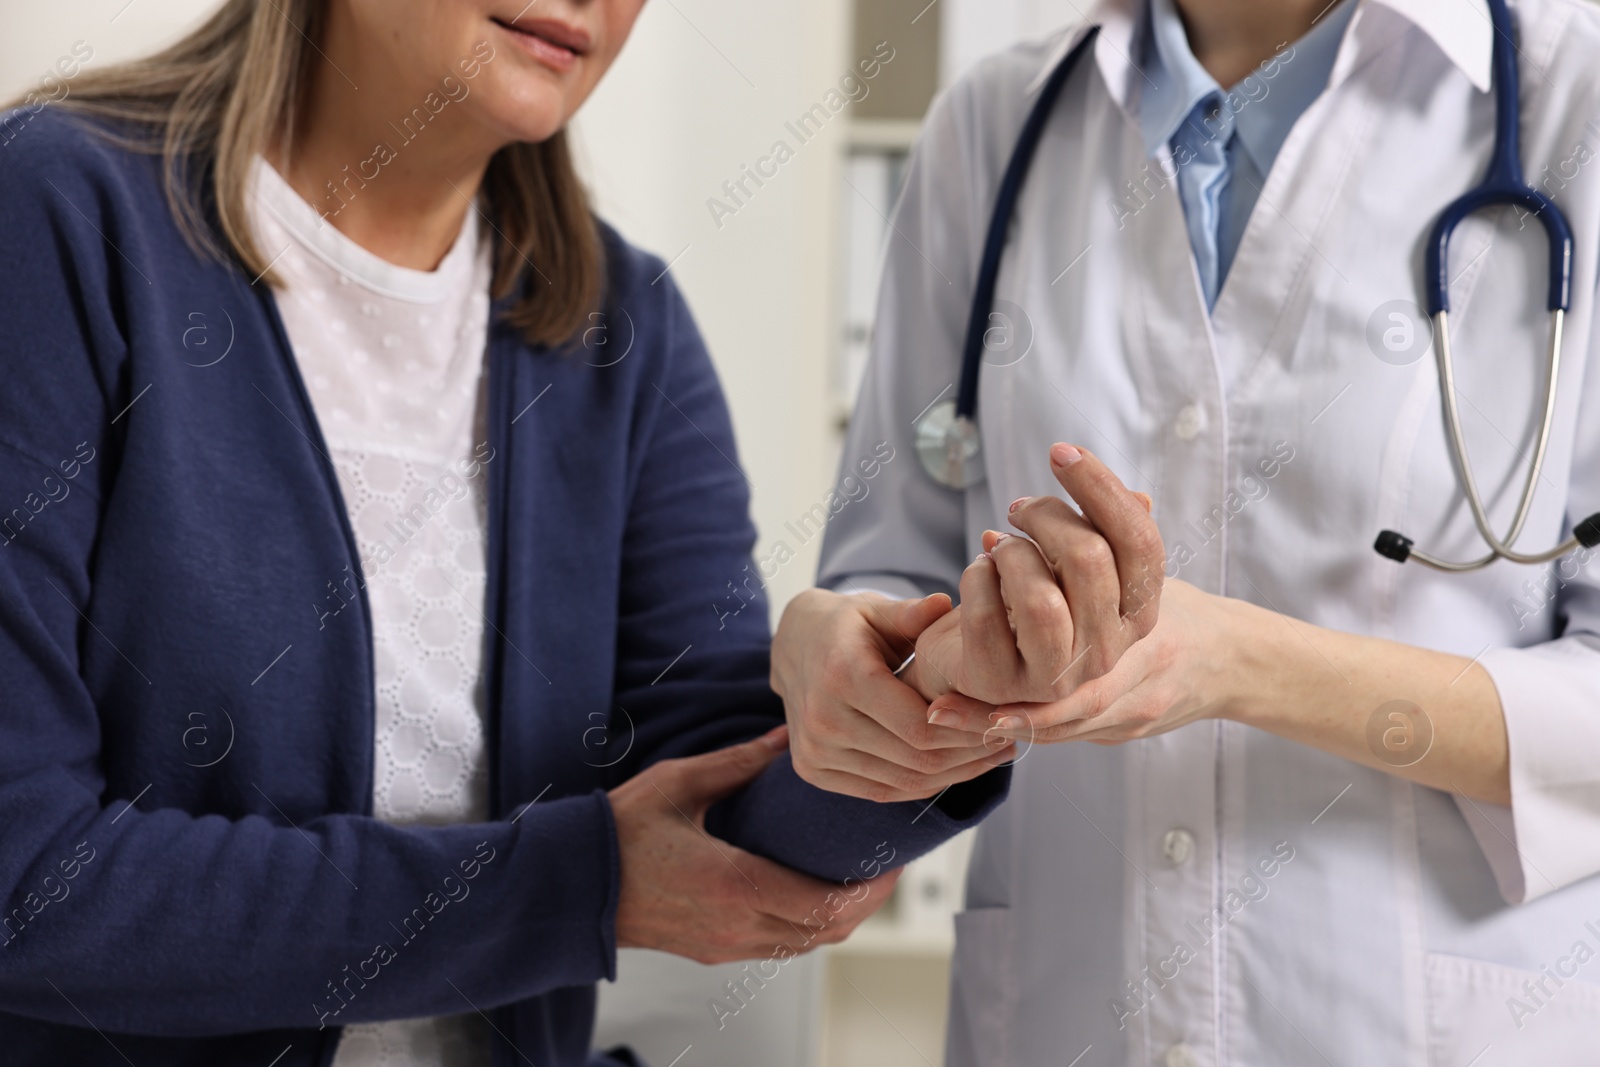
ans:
(369, 694)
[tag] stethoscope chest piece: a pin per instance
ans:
(947, 445)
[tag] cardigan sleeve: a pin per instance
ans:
(694, 637)
(158, 921)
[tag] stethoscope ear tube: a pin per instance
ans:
(1558, 234)
(1502, 185)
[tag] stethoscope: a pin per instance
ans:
(947, 440)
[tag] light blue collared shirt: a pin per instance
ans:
(1223, 142)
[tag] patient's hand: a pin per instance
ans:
(855, 727)
(1040, 615)
(684, 893)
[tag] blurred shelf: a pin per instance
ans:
(885, 940)
(897, 135)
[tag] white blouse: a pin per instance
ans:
(393, 360)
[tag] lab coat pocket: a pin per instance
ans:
(1490, 1015)
(983, 989)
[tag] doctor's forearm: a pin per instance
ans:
(1426, 716)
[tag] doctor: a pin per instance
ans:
(1359, 812)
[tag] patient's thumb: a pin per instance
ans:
(901, 622)
(714, 775)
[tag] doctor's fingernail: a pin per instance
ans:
(941, 717)
(1010, 722)
(1017, 503)
(1064, 455)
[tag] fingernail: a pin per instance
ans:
(1017, 503)
(1064, 455)
(1010, 722)
(981, 556)
(941, 717)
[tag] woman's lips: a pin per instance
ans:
(552, 43)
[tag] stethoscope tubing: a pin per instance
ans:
(1005, 206)
(1498, 548)
(1502, 185)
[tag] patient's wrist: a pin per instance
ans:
(919, 675)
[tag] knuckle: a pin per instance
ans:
(1089, 554)
(1103, 480)
(746, 756)
(1144, 540)
(1042, 603)
(926, 761)
(1049, 507)
(1009, 547)
(837, 670)
(907, 780)
(668, 775)
(922, 737)
(828, 730)
(1098, 662)
(880, 793)
(806, 767)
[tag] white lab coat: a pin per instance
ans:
(1310, 910)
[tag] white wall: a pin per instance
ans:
(973, 29)
(704, 89)
(33, 34)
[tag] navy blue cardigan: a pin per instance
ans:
(190, 869)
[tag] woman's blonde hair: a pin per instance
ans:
(219, 97)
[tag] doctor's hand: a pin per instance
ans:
(683, 892)
(855, 727)
(1043, 614)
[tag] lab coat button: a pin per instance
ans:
(1178, 846)
(1181, 1056)
(1191, 420)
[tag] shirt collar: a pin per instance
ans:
(1175, 80)
(1461, 29)
(1467, 40)
(1294, 84)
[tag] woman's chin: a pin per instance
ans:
(535, 117)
